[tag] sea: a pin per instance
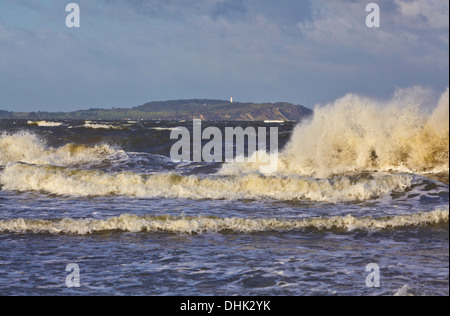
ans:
(358, 206)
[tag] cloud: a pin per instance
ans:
(425, 14)
(130, 52)
(339, 26)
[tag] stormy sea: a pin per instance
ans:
(355, 187)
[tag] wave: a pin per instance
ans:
(406, 290)
(70, 182)
(202, 224)
(44, 123)
(92, 125)
(357, 134)
(164, 128)
(29, 148)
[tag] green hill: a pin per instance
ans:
(205, 109)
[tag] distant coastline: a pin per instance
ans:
(205, 109)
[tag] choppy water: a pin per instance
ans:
(106, 196)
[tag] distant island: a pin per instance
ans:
(209, 110)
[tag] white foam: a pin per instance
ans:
(404, 291)
(30, 148)
(64, 181)
(44, 123)
(164, 128)
(89, 124)
(190, 225)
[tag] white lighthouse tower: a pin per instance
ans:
(231, 100)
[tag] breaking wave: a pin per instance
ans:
(202, 224)
(89, 124)
(331, 158)
(70, 182)
(164, 128)
(44, 123)
(357, 134)
(29, 148)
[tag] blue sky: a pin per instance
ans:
(130, 52)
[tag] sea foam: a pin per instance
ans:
(29, 148)
(72, 182)
(44, 123)
(201, 224)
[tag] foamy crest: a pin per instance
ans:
(406, 290)
(190, 225)
(164, 128)
(356, 134)
(29, 148)
(63, 181)
(44, 123)
(89, 124)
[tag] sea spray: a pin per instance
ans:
(358, 134)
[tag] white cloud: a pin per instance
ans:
(339, 26)
(141, 49)
(425, 13)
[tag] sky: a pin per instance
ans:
(129, 52)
